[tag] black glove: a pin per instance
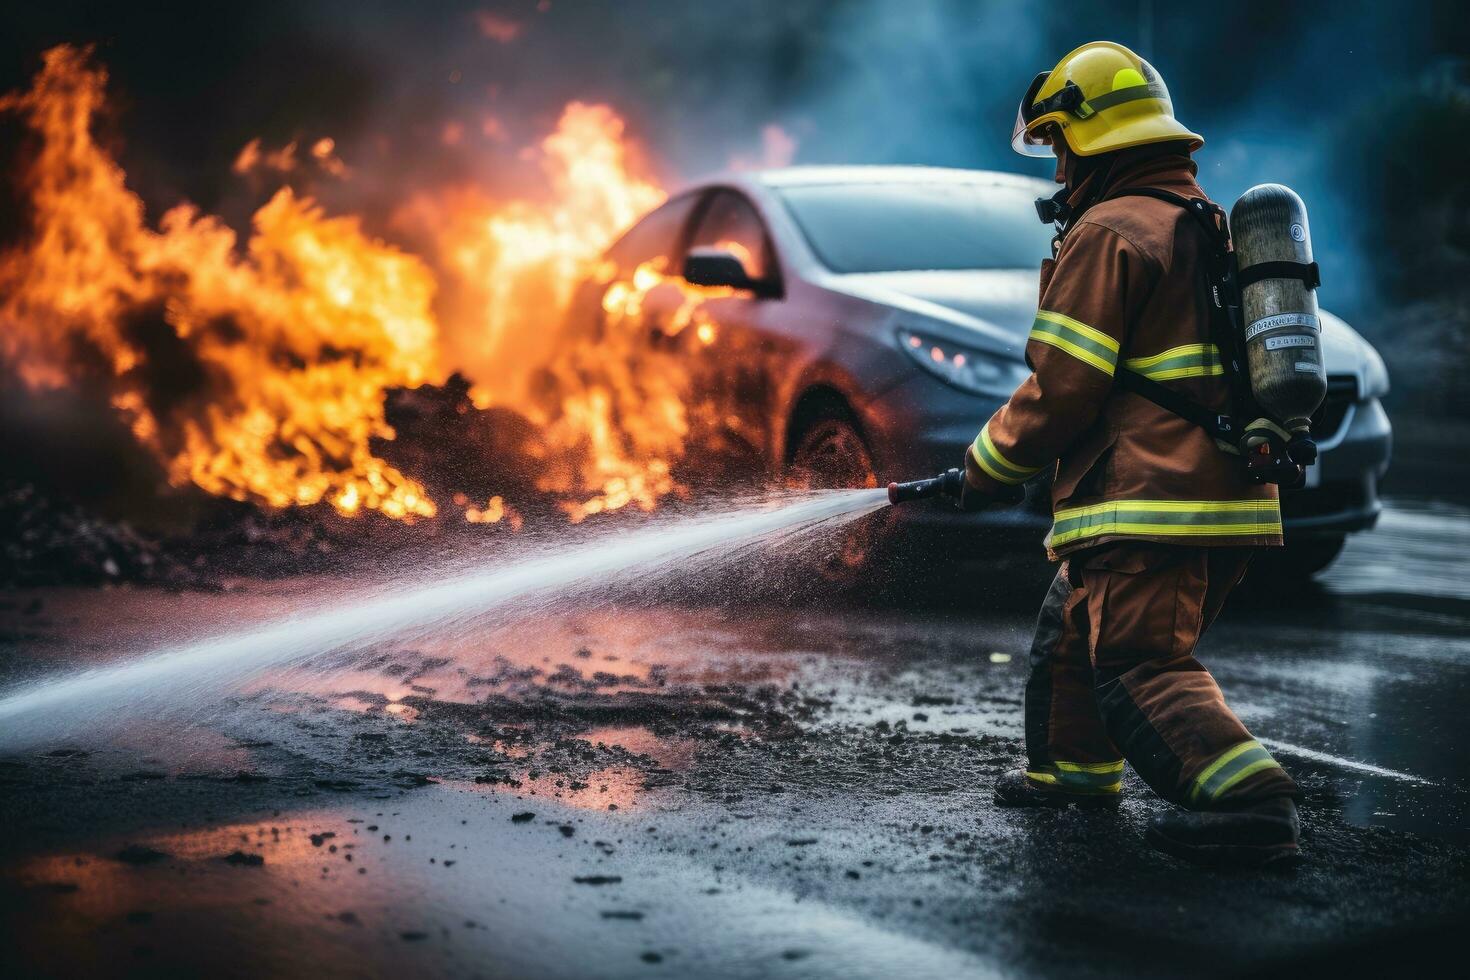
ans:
(972, 498)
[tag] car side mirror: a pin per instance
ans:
(718, 267)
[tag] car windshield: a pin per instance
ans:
(903, 227)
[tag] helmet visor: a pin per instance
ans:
(1023, 141)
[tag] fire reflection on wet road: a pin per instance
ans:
(735, 791)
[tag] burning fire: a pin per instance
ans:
(611, 414)
(253, 157)
(291, 339)
(295, 340)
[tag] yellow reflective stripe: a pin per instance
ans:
(1081, 777)
(1166, 530)
(1088, 345)
(1193, 371)
(1221, 760)
(1249, 770)
(990, 459)
(1235, 764)
(990, 445)
(980, 461)
(1205, 506)
(1097, 789)
(989, 467)
(1167, 518)
(1092, 334)
(1103, 767)
(1086, 356)
(1050, 779)
(1188, 350)
(1187, 361)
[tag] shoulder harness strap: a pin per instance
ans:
(1211, 219)
(1200, 209)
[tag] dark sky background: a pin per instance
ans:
(1281, 90)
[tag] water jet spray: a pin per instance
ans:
(187, 681)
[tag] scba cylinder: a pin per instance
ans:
(1283, 342)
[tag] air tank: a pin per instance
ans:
(1283, 341)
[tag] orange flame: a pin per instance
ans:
(296, 339)
(510, 270)
(298, 334)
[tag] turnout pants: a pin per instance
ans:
(1113, 677)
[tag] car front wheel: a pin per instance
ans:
(832, 454)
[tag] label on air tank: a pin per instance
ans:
(1290, 340)
(1308, 320)
(1306, 367)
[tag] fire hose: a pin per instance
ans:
(947, 484)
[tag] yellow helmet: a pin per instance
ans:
(1102, 97)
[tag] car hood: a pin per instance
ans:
(997, 303)
(1343, 348)
(1001, 304)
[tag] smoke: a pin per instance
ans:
(416, 97)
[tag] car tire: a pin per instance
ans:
(1298, 561)
(830, 453)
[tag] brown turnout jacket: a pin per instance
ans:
(1125, 291)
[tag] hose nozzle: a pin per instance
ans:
(946, 484)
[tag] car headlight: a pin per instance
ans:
(976, 371)
(1375, 373)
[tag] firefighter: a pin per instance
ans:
(1152, 522)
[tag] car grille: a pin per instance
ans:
(1342, 391)
(1333, 498)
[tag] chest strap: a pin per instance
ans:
(1220, 427)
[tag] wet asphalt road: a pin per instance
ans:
(653, 790)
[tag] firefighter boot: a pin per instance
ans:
(1016, 789)
(1257, 835)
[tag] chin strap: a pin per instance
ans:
(1054, 209)
(1058, 210)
